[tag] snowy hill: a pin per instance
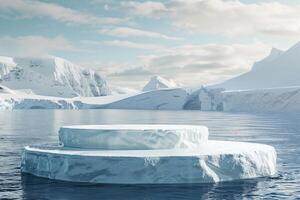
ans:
(279, 69)
(50, 76)
(158, 82)
(164, 99)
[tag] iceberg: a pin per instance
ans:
(133, 137)
(117, 162)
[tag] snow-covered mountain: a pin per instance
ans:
(279, 69)
(51, 76)
(158, 82)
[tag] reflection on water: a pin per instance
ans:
(24, 127)
(39, 188)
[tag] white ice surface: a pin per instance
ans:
(142, 136)
(213, 162)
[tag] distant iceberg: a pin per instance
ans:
(159, 154)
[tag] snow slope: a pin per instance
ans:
(6, 90)
(168, 99)
(164, 99)
(51, 76)
(279, 69)
(158, 82)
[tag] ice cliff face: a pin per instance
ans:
(263, 100)
(51, 76)
(279, 69)
(286, 99)
(157, 82)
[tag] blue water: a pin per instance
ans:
(23, 127)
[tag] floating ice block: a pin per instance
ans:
(213, 161)
(133, 137)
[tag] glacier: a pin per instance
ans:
(166, 99)
(208, 162)
(260, 100)
(263, 100)
(133, 137)
(268, 100)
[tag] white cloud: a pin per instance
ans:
(225, 17)
(191, 64)
(129, 44)
(186, 64)
(143, 8)
(132, 32)
(231, 17)
(34, 8)
(34, 45)
(202, 64)
(131, 72)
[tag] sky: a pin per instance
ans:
(193, 42)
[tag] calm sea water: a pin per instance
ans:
(23, 127)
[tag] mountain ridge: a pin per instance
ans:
(51, 76)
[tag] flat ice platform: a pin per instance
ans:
(214, 161)
(133, 136)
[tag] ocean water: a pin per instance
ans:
(24, 127)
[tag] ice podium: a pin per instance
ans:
(146, 154)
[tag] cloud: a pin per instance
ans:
(132, 32)
(129, 44)
(137, 71)
(191, 64)
(34, 8)
(201, 64)
(232, 17)
(143, 8)
(224, 17)
(34, 45)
